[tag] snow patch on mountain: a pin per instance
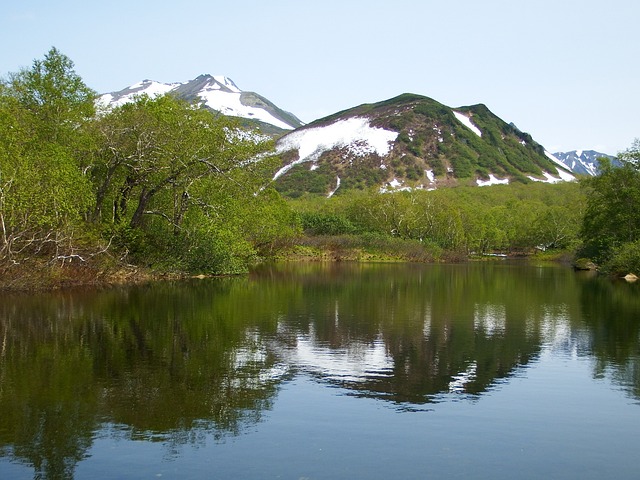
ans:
(554, 159)
(396, 185)
(332, 192)
(492, 181)
(466, 121)
(227, 82)
(354, 134)
(430, 175)
(565, 176)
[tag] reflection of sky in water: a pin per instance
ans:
(549, 424)
(253, 358)
(458, 382)
(490, 319)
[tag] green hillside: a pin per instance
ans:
(433, 149)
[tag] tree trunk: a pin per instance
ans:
(143, 201)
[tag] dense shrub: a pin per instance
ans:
(316, 223)
(624, 259)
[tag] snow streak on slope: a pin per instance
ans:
(227, 82)
(230, 104)
(355, 134)
(554, 159)
(466, 121)
(563, 177)
(562, 173)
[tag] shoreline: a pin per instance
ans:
(41, 277)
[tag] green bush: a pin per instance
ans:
(316, 223)
(624, 259)
(218, 252)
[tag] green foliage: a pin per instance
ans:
(431, 109)
(612, 216)
(219, 251)
(624, 259)
(54, 95)
(510, 218)
(268, 222)
(360, 176)
(437, 166)
(300, 180)
(511, 149)
(44, 193)
(317, 223)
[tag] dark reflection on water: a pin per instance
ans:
(180, 362)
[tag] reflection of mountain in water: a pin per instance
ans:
(419, 335)
(421, 361)
(414, 335)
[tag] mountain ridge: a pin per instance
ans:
(410, 142)
(215, 92)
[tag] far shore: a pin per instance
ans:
(42, 277)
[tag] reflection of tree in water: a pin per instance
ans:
(180, 350)
(165, 363)
(47, 411)
(612, 312)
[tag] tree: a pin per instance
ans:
(55, 95)
(185, 185)
(43, 192)
(612, 216)
(162, 146)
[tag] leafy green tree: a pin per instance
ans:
(190, 182)
(43, 190)
(557, 226)
(612, 216)
(164, 146)
(55, 96)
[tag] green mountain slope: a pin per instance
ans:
(431, 146)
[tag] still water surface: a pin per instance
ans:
(334, 371)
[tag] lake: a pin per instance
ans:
(491, 370)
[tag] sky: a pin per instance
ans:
(565, 71)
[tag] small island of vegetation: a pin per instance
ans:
(158, 187)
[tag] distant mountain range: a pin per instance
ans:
(407, 142)
(583, 162)
(217, 93)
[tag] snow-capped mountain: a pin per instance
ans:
(218, 93)
(583, 162)
(410, 142)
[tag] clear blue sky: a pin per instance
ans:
(565, 71)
